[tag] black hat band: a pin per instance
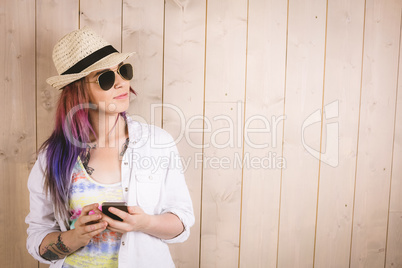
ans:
(90, 59)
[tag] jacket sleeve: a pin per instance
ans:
(176, 198)
(40, 220)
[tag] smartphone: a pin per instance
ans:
(120, 205)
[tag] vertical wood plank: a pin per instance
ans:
(342, 89)
(184, 94)
(55, 18)
(224, 100)
(143, 25)
(18, 133)
(393, 253)
(104, 17)
(304, 89)
(266, 58)
(379, 84)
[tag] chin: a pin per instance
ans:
(119, 107)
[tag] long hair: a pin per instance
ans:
(62, 151)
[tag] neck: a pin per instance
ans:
(110, 129)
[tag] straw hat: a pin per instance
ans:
(81, 52)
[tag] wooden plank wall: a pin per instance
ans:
(18, 129)
(376, 134)
(306, 94)
(336, 192)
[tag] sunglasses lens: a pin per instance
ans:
(106, 80)
(126, 71)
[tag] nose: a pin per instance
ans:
(118, 80)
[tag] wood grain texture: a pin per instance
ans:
(303, 100)
(313, 214)
(54, 19)
(342, 92)
(143, 26)
(18, 131)
(393, 253)
(104, 17)
(184, 96)
(379, 84)
(265, 88)
(226, 39)
(221, 194)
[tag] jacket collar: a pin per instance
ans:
(138, 133)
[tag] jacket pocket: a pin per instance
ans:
(148, 188)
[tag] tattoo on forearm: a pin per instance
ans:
(49, 255)
(61, 246)
(55, 251)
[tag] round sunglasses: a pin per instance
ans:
(106, 79)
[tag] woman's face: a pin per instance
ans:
(112, 101)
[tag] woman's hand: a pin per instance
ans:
(164, 226)
(88, 225)
(57, 245)
(135, 220)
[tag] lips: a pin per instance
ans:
(122, 96)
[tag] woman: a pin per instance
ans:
(96, 154)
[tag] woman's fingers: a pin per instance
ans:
(92, 230)
(123, 215)
(86, 209)
(135, 210)
(89, 229)
(88, 219)
(115, 229)
(88, 223)
(97, 231)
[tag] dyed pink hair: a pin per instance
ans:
(61, 152)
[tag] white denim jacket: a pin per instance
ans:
(152, 178)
